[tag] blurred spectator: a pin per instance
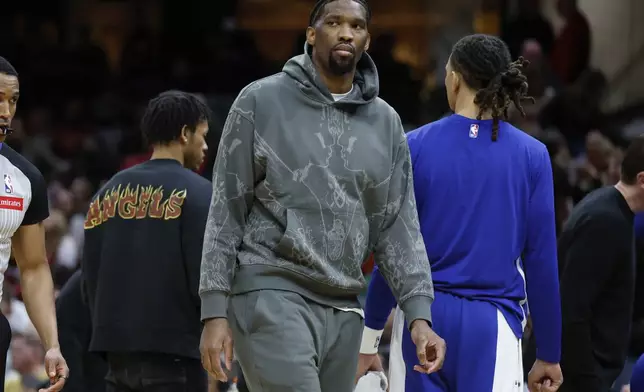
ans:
(597, 167)
(81, 190)
(529, 24)
(571, 52)
(36, 141)
(402, 91)
(141, 72)
(15, 312)
(563, 190)
(89, 64)
(576, 110)
(27, 357)
(62, 249)
(539, 87)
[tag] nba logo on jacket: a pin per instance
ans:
(8, 184)
(474, 131)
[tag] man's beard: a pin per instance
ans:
(341, 67)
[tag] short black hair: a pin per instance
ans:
(487, 67)
(316, 12)
(168, 113)
(7, 68)
(633, 162)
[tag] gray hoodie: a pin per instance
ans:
(305, 188)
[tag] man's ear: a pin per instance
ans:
(184, 135)
(310, 36)
(366, 47)
(456, 78)
(640, 179)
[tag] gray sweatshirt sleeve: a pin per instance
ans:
(233, 188)
(400, 251)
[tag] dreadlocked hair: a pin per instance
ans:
(316, 12)
(485, 63)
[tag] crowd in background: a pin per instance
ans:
(78, 119)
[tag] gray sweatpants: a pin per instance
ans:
(287, 343)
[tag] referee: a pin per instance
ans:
(23, 208)
(597, 273)
(142, 253)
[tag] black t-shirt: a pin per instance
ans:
(597, 274)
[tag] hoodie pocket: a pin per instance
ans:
(242, 309)
(320, 241)
(297, 243)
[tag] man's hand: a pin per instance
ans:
(430, 348)
(57, 370)
(544, 377)
(216, 338)
(368, 363)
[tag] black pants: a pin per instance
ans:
(605, 378)
(148, 372)
(5, 341)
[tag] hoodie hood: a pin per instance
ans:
(365, 81)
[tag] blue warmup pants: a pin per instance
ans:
(483, 353)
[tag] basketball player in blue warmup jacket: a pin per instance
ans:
(486, 209)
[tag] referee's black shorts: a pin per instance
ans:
(5, 341)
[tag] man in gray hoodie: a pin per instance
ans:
(312, 175)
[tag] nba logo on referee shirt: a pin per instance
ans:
(474, 131)
(10, 202)
(8, 184)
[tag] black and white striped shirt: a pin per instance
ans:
(23, 199)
